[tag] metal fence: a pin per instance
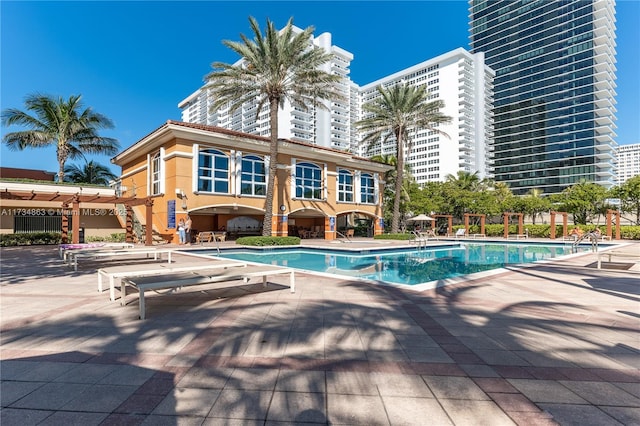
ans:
(25, 224)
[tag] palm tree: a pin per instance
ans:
(276, 67)
(397, 112)
(464, 180)
(61, 123)
(91, 172)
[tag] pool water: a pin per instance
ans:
(409, 267)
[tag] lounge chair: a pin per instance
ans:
(75, 255)
(460, 233)
(133, 271)
(174, 281)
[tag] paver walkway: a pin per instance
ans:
(550, 344)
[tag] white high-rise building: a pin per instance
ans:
(330, 128)
(628, 162)
(459, 78)
(464, 83)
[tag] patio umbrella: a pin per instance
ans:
(421, 218)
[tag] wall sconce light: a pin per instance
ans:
(180, 194)
(283, 207)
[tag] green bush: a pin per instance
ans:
(627, 232)
(268, 241)
(30, 238)
(393, 237)
(92, 239)
(118, 237)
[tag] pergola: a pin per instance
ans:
(507, 216)
(610, 214)
(466, 221)
(552, 231)
(449, 222)
(74, 200)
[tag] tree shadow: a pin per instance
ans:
(250, 354)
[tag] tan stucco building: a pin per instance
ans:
(218, 177)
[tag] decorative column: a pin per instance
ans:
(65, 224)
(75, 223)
(149, 221)
(129, 224)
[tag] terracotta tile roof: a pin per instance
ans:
(220, 130)
(216, 129)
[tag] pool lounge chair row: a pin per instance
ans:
(173, 276)
(177, 280)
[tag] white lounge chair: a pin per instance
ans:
(133, 271)
(460, 233)
(74, 256)
(183, 279)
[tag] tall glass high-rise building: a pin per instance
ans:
(554, 89)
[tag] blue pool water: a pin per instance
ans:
(410, 267)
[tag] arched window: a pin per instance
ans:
(156, 175)
(345, 186)
(367, 189)
(308, 181)
(254, 178)
(213, 171)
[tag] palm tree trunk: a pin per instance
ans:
(62, 155)
(61, 162)
(395, 220)
(273, 167)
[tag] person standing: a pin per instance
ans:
(187, 230)
(181, 231)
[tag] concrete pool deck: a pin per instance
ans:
(555, 343)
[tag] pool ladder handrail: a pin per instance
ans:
(591, 236)
(340, 234)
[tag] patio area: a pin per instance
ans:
(555, 343)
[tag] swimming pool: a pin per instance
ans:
(425, 268)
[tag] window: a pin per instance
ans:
(308, 181)
(213, 171)
(367, 189)
(253, 180)
(345, 186)
(155, 174)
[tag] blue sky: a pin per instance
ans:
(134, 61)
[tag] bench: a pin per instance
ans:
(157, 254)
(209, 236)
(154, 269)
(618, 253)
(474, 236)
(183, 279)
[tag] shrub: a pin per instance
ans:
(30, 238)
(118, 237)
(393, 237)
(268, 241)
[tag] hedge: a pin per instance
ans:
(268, 241)
(113, 238)
(393, 237)
(627, 232)
(30, 238)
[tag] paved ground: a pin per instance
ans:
(552, 344)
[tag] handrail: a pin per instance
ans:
(340, 234)
(591, 236)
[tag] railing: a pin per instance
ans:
(31, 223)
